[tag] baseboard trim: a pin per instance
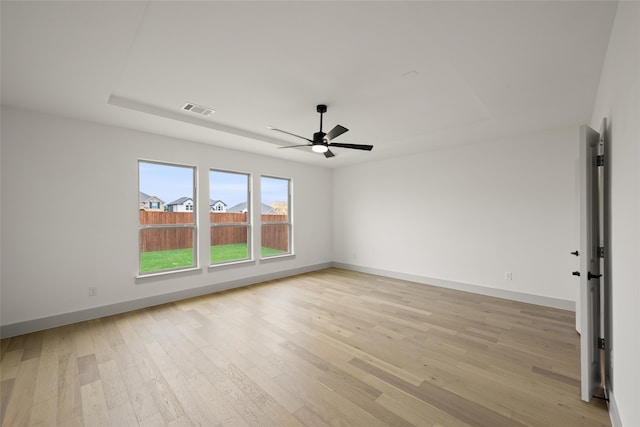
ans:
(34, 325)
(28, 326)
(476, 289)
(614, 414)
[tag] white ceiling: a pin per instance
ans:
(403, 76)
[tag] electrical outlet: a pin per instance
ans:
(93, 291)
(507, 275)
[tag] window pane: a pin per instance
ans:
(166, 248)
(166, 197)
(228, 192)
(229, 243)
(275, 239)
(274, 194)
(168, 187)
(275, 216)
(228, 204)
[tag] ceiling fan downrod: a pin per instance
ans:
(321, 108)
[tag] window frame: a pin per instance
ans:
(193, 225)
(288, 222)
(247, 224)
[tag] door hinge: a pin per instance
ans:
(600, 160)
(601, 343)
(600, 252)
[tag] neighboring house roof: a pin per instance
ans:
(213, 202)
(242, 207)
(180, 201)
(238, 208)
(143, 197)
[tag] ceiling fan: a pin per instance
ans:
(322, 141)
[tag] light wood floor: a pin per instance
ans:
(329, 348)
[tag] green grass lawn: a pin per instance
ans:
(232, 252)
(177, 258)
(165, 260)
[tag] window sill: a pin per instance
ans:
(277, 258)
(167, 273)
(231, 263)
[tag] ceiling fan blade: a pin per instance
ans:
(354, 146)
(336, 132)
(294, 146)
(328, 154)
(292, 134)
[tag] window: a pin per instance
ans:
(154, 205)
(167, 240)
(275, 195)
(230, 230)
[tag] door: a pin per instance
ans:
(591, 252)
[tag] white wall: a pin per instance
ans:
(51, 254)
(619, 101)
(467, 215)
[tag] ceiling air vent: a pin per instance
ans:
(198, 109)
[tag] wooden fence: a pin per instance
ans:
(273, 236)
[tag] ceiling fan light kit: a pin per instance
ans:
(322, 141)
(319, 148)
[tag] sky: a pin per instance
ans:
(169, 183)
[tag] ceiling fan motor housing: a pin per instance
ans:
(319, 138)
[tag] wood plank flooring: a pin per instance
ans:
(328, 348)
